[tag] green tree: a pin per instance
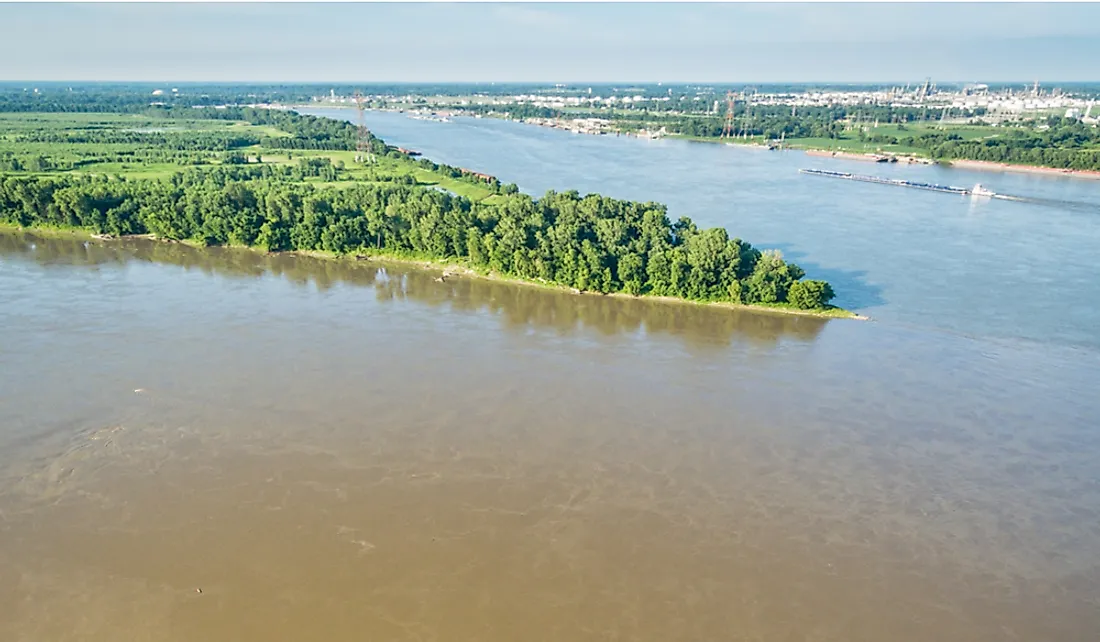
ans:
(810, 295)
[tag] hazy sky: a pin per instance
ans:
(550, 42)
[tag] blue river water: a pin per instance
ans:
(986, 268)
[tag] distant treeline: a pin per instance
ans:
(39, 162)
(697, 119)
(306, 132)
(123, 97)
(590, 243)
(775, 121)
(1052, 142)
(119, 97)
(176, 141)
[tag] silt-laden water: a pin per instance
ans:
(221, 445)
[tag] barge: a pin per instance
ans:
(977, 190)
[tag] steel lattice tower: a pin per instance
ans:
(727, 131)
(746, 117)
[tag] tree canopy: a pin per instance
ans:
(590, 243)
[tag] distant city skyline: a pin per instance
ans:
(568, 42)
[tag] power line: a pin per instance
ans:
(727, 131)
(363, 153)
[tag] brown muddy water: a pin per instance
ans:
(219, 445)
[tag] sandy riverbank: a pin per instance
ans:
(870, 157)
(873, 157)
(960, 164)
(1024, 169)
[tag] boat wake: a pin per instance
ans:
(1076, 206)
(976, 192)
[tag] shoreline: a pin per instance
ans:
(877, 157)
(870, 157)
(449, 268)
(993, 166)
(909, 159)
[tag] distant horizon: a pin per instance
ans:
(670, 83)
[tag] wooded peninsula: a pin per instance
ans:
(280, 181)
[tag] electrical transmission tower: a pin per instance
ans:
(727, 131)
(746, 117)
(363, 153)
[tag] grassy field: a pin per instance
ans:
(118, 148)
(17, 123)
(840, 145)
(967, 132)
(360, 173)
(850, 142)
(137, 160)
(850, 145)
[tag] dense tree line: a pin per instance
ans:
(75, 157)
(774, 121)
(590, 243)
(697, 118)
(518, 307)
(1060, 143)
(9, 162)
(305, 132)
(519, 110)
(130, 97)
(181, 141)
(1064, 144)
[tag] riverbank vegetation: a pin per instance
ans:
(281, 181)
(688, 111)
(1058, 143)
(520, 306)
(1053, 141)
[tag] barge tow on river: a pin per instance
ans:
(977, 190)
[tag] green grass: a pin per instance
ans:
(849, 140)
(266, 130)
(129, 170)
(848, 145)
(385, 166)
(89, 158)
(77, 121)
(100, 157)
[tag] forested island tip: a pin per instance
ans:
(280, 181)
